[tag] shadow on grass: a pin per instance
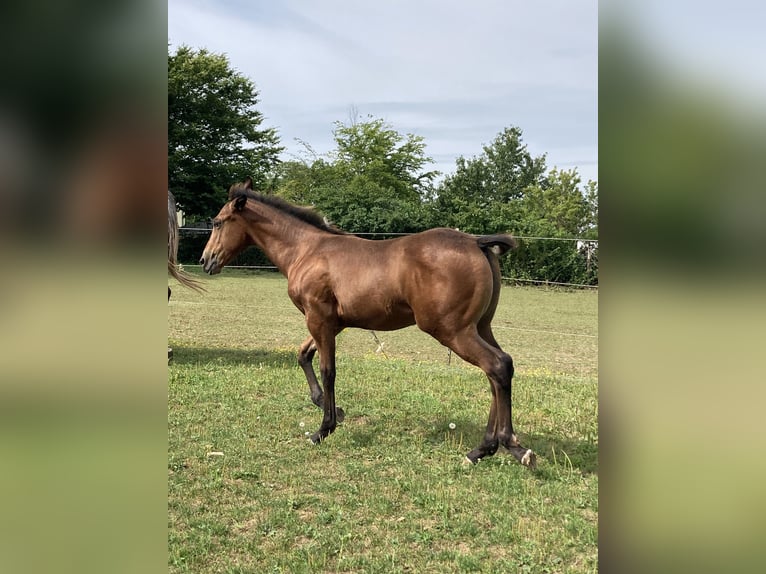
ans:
(582, 454)
(471, 431)
(365, 430)
(220, 356)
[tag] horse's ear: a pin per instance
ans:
(239, 203)
(248, 184)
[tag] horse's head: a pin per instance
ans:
(229, 236)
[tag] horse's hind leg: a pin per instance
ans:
(305, 359)
(485, 332)
(489, 444)
(505, 433)
(507, 436)
(484, 352)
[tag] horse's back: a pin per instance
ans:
(412, 261)
(444, 251)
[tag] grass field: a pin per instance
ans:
(387, 491)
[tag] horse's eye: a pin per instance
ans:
(216, 224)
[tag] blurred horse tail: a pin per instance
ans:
(173, 269)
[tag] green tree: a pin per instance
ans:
(558, 208)
(214, 131)
(469, 198)
(375, 151)
(374, 180)
(506, 189)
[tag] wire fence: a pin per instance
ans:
(589, 246)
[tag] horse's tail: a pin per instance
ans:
(493, 246)
(181, 276)
(497, 244)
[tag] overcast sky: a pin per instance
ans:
(455, 72)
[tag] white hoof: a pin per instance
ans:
(529, 459)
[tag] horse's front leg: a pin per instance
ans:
(324, 339)
(305, 360)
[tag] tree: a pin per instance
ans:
(374, 181)
(558, 208)
(506, 189)
(214, 133)
(374, 150)
(469, 198)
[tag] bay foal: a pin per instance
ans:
(444, 281)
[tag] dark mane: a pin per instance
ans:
(305, 214)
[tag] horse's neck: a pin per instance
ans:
(284, 240)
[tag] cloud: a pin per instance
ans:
(455, 73)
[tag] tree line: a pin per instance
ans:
(375, 180)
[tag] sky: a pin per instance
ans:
(456, 73)
(719, 47)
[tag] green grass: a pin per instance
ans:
(387, 491)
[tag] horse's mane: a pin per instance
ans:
(305, 214)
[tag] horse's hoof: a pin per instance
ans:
(474, 457)
(529, 459)
(315, 438)
(468, 462)
(340, 414)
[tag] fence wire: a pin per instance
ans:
(379, 234)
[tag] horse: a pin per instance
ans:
(442, 280)
(173, 269)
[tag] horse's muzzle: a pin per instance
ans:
(210, 264)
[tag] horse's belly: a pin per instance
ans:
(378, 316)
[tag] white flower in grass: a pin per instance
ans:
(307, 433)
(452, 426)
(301, 424)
